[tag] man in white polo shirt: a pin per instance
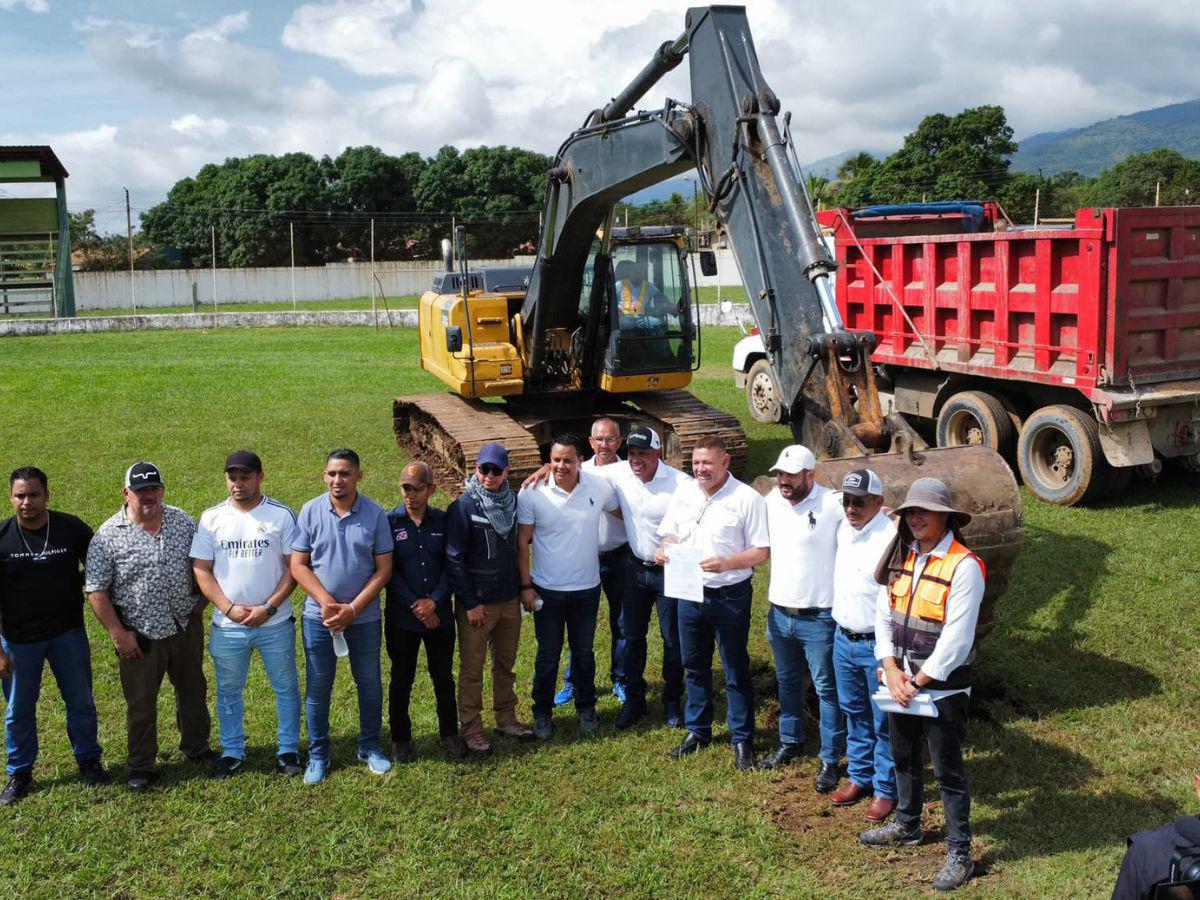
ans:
(561, 521)
(864, 536)
(726, 521)
(803, 518)
(240, 555)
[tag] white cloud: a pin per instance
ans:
(37, 6)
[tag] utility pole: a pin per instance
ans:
(292, 241)
(213, 236)
(1037, 204)
(374, 312)
(129, 235)
(1157, 191)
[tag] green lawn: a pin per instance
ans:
(1087, 730)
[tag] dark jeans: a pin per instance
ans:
(612, 581)
(403, 646)
(180, 658)
(724, 616)
(944, 736)
(576, 612)
(643, 595)
(70, 662)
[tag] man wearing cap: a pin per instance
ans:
(41, 620)
(925, 640)
(342, 557)
(418, 612)
(241, 556)
(139, 583)
(864, 535)
(726, 521)
(803, 519)
(605, 441)
(560, 521)
(644, 489)
(481, 554)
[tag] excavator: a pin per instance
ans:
(602, 324)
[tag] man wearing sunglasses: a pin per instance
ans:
(481, 554)
(864, 535)
(803, 518)
(418, 612)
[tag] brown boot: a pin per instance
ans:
(848, 794)
(880, 809)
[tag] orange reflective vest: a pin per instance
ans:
(633, 305)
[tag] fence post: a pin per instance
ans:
(292, 241)
(195, 297)
(213, 234)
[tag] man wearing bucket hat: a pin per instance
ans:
(925, 640)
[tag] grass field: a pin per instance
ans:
(1087, 729)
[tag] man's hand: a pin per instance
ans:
(476, 617)
(236, 613)
(338, 617)
(529, 598)
(423, 608)
(541, 476)
(900, 685)
(714, 564)
(660, 554)
(127, 645)
(432, 622)
(253, 616)
(5, 664)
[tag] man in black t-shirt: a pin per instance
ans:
(41, 620)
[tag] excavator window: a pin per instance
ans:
(650, 317)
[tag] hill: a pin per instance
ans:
(1096, 147)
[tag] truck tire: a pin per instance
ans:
(974, 417)
(762, 393)
(1060, 457)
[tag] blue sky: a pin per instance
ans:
(139, 95)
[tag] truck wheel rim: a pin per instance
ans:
(1053, 458)
(763, 393)
(964, 428)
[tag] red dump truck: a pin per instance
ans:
(1073, 349)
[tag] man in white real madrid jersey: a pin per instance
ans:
(240, 557)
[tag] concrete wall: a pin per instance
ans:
(340, 281)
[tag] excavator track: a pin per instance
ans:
(448, 431)
(683, 419)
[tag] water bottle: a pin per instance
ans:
(340, 647)
(537, 604)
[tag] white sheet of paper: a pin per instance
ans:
(683, 578)
(920, 705)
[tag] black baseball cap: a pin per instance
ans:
(143, 475)
(643, 438)
(862, 483)
(246, 460)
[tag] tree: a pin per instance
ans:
(1133, 181)
(856, 166)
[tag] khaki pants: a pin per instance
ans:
(501, 631)
(180, 657)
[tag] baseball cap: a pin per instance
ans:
(795, 459)
(862, 482)
(246, 460)
(143, 475)
(643, 438)
(494, 454)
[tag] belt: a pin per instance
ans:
(808, 612)
(646, 565)
(856, 635)
(727, 590)
(613, 553)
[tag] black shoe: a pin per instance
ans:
(785, 754)
(743, 755)
(207, 758)
(690, 745)
(17, 787)
(956, 871)
(225, 767)
(402, 752)
(672, 714)
(631, 711)
(141, 782)
(93, 773)
(288, 764)
(827, 778)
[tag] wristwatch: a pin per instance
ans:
(271, 610)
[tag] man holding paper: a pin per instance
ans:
(721, 524)
(925, 640)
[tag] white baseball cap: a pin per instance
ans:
(795, 459)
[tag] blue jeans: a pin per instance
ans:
(724, 616)
(612, 580)
(320, 667)
(868, 747)
(71, 663)
(575, 611)
(231, 648)
(799, 643)
(644, 594)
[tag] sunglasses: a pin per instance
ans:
(856, 502)
(490, 469)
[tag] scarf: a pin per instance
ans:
(499, 507)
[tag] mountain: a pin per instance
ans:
(827, 166)
(1099, 146)
(663, 191)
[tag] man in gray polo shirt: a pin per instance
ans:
(342, 557)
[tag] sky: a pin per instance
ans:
(138, 95)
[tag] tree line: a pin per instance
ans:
(258, 209)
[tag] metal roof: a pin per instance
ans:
(51, 167)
